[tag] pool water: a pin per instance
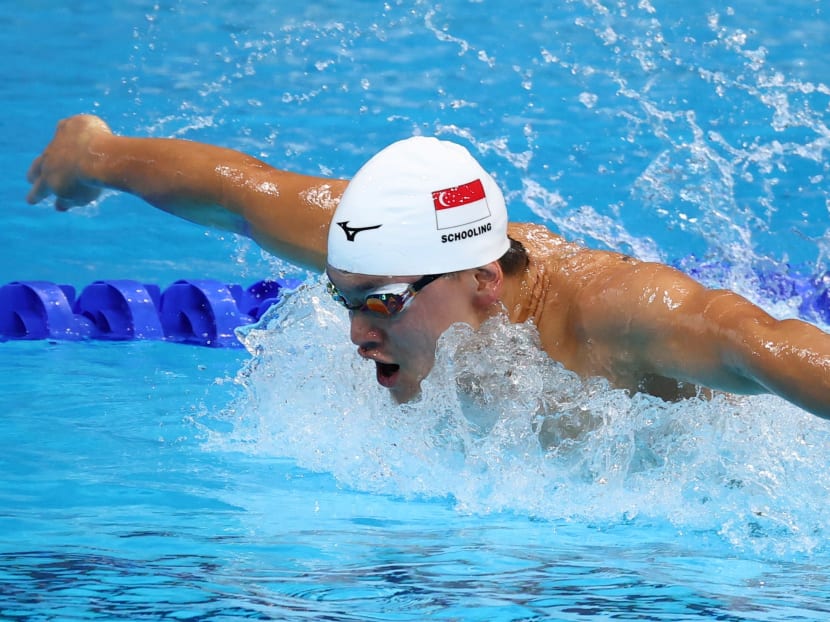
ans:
(152, 480)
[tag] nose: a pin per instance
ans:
(364, 333)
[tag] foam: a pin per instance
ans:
(748, 470)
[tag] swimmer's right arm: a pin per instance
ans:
(285, 213)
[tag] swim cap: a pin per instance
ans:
(420, 206)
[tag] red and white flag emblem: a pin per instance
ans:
(461, 205)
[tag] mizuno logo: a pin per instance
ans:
(353, 231)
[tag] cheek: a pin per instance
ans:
(419, 328)
(418, 341)
(450, 314)
(414, 336)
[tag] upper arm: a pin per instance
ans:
(293, 222)
(658, 320)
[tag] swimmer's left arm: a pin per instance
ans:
(666, 323)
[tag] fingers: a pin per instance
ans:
(62, 204)
(79, 195)
(34, 169)
(38, 192)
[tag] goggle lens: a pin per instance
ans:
(384, 303)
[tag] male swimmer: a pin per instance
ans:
(419, 240)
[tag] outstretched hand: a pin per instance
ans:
(59, 169)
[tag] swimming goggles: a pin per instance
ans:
(387, 300)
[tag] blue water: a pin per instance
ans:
(148, 480)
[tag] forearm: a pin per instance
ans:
(755, 353)
(792, 359)
(286, 213)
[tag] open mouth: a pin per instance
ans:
(387, 373)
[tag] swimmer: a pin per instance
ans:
(419, 240)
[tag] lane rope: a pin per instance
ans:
(194, 311)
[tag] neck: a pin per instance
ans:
(521, 294)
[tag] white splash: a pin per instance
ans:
(502, 427)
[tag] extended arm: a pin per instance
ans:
(286, 213)
(658, 320)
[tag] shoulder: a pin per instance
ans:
(581, 278)
(553, 255)
(535, 237)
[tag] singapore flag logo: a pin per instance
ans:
(460, 205)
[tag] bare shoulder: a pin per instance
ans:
(570, 265)
(538, 239)
(569, 289)
(560, 278)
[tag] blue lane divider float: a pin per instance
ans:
(202, 312)
(206, 312)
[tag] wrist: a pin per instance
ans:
(96, 164)
(96, 155)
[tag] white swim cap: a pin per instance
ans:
(420, 206)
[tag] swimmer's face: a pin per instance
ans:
(402, 345)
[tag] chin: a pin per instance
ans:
(404, 394)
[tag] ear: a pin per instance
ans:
(489, 283)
